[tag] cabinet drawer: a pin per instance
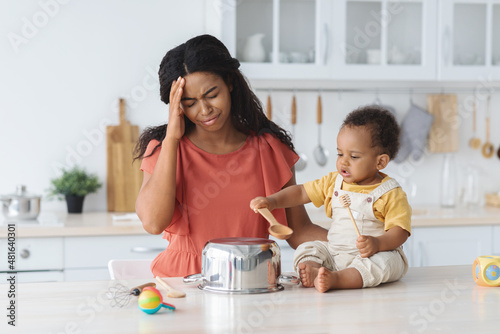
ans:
(100, 274)
(34, 254)
(496, 241)
(95, 252)
(35, 276)
(438, 246)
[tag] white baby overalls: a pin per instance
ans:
(340, 251)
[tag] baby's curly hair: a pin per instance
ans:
(381, 123)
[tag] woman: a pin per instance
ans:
(217, 153)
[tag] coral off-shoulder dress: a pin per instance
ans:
(213, 193)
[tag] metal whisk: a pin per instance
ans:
(120, 294)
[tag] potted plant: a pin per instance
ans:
(74, 184)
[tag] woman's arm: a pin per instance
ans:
(298, 220)
(155, 203)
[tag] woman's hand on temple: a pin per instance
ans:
(176, 125)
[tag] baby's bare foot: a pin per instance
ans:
(325, 280)
(308, 271)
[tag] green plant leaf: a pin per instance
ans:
(75, 181)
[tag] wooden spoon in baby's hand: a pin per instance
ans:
(276, 229)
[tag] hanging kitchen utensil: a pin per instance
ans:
(301, 164)
(414, 132)
(320, 153)
(488, 148)
(474, 142)
(124, 177)
(276, 229)
(269, 108)
(443, 135)
(443, 138)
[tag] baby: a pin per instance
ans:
(368, 139)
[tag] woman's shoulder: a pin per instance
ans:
(270, 139)
(151, 146)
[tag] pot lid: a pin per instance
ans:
(20, 193)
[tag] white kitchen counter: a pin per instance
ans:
(61, 224)
(433, 216)
(427, 299)
(103, 224)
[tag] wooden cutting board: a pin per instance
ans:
(443, 135)
(124, 177)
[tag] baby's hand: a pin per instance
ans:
(367, 245)
(260, 202)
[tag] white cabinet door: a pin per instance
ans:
(35, 276)
(437, 246)
(469, 40)
(71, 275)
(275, 39)
(385, 39)
(95, 252)
(496, 241)
(34, 254)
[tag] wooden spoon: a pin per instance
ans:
(172, 293)
(301, 164)
(474, 142)
(488, 148)
(276, 229)
(269, 108)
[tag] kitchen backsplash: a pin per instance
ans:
(421, 178)
(62, 78)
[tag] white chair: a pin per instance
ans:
(129, 269)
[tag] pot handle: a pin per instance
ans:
(6, 201)
(190, 279)
(289, 278)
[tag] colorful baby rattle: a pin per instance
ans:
(486, 270)
(151, 301)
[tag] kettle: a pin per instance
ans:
(253, 49)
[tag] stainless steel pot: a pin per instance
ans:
(241, 265)
(21, 205)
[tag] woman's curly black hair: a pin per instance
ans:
(382, 125)
(206, 53)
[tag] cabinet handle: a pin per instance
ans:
(140, 249)
(447, 46)
(24, 254)
(325, 43)
(421, 254)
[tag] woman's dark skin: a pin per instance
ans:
(202, 104)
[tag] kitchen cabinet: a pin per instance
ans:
(458, 245)
(276, 38)
(319, 39)
(76, 258)
(383, 39)
(496, 243)
(469, 37)
(86, 258)
(37, 260)
(362, 39)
